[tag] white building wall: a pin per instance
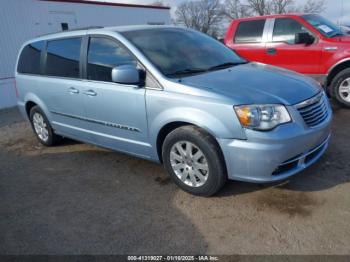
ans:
(21, 20)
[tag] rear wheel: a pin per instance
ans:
(42, 127)
(340, 88)
(194, 161)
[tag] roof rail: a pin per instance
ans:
(84, 28)
(74, 29)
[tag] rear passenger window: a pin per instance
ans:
(250, 31)
(29, 60)
(104, 54)
(63, 57)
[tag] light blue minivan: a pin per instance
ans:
(174, 96)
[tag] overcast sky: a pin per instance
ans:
(334, 10)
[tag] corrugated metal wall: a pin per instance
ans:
(21, 20)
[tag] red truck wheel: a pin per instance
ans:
(340, 88)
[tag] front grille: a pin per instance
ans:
(314, 110)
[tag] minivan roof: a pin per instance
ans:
(136, 27)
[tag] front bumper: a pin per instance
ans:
(277, 154)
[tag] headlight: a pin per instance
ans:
(262, 117)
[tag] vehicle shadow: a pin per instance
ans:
(68, 142)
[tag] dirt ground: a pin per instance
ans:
(79, 199)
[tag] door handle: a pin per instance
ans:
(90, 93)
(73, 90)
(271, 51)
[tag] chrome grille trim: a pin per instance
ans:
(314, 110)
(310, 101)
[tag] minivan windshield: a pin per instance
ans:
(324, 26)
(180, 52)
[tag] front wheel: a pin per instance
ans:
(340, 88)
(194, 161)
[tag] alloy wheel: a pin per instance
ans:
(40, 127)
(344, 90)
(189, 163)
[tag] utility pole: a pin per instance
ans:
(341, 12)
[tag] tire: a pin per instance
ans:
(198, 175)
(36, 115)
(341, 82)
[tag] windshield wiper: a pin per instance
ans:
(225, 65)
(187, 71)
(192, 71)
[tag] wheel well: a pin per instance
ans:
(29, 106)
(336, 70)
(164, 132)
(169, 128)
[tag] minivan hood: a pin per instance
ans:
(255, 83)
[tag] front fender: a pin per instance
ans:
(213, 124)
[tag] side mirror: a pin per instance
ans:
(127, 74)
(304, 38)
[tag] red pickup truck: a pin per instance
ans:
(305, 43)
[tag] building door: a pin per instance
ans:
(62, 21)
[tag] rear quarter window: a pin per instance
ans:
(63, 56)
(250, 31)
(29, 60)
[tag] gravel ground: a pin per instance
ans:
(80, 199)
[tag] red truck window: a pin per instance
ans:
(250, 31)
(285, 30)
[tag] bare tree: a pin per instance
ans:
(202, 15)
(260, 7)
(314, 6)
(234, 9)
(158, 3)
(266, 7)
(207, 15)
(281, 6)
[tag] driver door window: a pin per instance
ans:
(285, 30)
(104, 54)
(282, 51)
